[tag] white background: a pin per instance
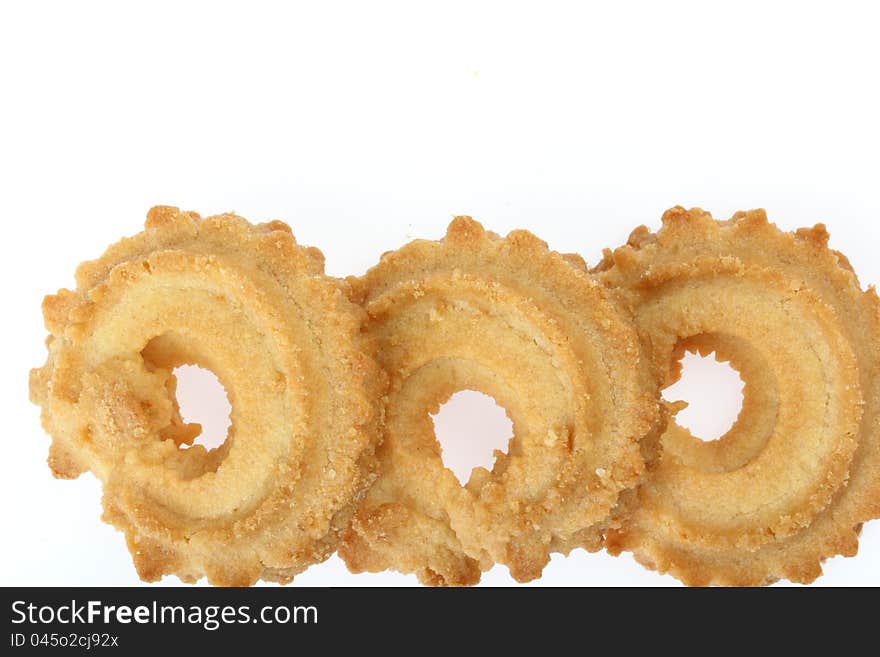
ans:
(364, 126)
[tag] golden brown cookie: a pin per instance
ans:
(793, 480)
(535, 331)
(251, 305)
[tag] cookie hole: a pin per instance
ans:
(713, 392)
(470, 427)
(202, 400)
